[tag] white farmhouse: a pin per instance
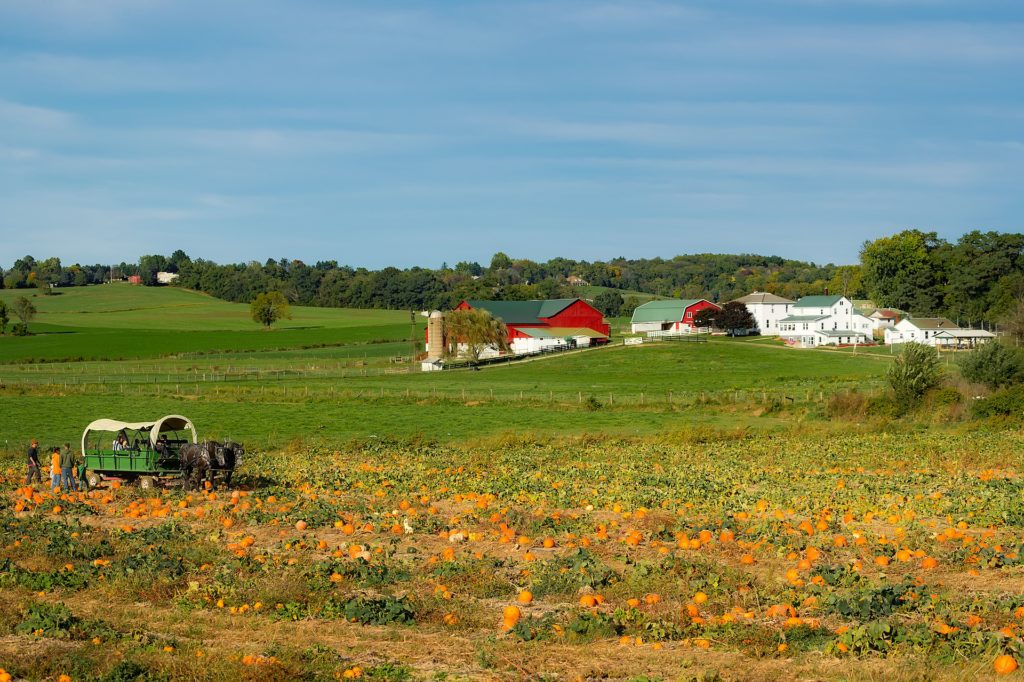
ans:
(767, 309)
(824, 321)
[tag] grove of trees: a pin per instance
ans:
(977, 279)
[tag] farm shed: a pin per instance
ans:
(668, 315)
(535, 340)
(962, 338)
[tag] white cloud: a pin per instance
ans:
(16, 114)
(909, 41)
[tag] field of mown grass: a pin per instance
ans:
(873, 556)
(111, 322)
(271, 397)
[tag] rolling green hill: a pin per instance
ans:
(121, 321)
(123, 306)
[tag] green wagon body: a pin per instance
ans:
(146, 462)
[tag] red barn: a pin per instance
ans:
(558, 314)
(669, 314)
(534, 326)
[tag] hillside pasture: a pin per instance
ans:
(357, 391)
(139, 308)
(120, 321)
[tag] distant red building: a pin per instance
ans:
(134, 279)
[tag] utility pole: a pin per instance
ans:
(412, 334)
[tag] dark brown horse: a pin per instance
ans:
(196, 458)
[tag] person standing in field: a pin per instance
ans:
(54, 468)
(67, 465)
(83, 482)
(33, 464)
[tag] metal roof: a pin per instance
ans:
(817, 301)
(762, 297)
(931, 323)
(965, 334)
(561, 332)
(885, 313)
(523, 312)
(803, 318)
(839, 332)
(667, 310)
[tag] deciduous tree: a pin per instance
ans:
(609, 303)
(267, 308)
(914, 372)
(899, 271)
(25, 311)
(471, 332)
(733, 317)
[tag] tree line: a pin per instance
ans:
(978, 278)
(717, 277)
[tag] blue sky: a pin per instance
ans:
(403, 133)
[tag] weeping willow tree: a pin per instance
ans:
(471, 332)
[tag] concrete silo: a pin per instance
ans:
(435, 336)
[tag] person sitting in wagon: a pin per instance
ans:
(121, 442)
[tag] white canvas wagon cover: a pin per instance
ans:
(172, 422)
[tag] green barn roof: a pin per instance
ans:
(668, 310)
(523, 312)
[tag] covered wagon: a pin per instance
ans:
(141, 452)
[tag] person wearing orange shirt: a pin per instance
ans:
(55, 469)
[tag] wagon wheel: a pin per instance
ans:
(93, 479)
(147, 482)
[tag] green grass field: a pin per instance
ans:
(121, 321)
(346, 374)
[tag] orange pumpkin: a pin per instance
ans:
(1005, 664)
